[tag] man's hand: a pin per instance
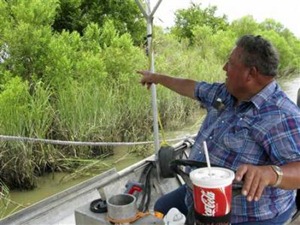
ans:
(255, 179)
(148, 78)
(181, 86)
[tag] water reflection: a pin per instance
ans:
(290, 86)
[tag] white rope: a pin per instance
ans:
(80, 143)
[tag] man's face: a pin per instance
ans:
(237, 74)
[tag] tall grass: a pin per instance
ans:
(23, 114)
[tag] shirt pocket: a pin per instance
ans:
(238, 137)
(236, 140)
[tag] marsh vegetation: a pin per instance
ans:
(75, 79)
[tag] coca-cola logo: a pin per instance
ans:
(208, 199)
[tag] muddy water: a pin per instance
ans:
(51, 184)
(291, 86)
(56, 182)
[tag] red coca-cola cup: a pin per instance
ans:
(212, 190)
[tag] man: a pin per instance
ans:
(255, 132)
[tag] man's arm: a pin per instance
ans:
(183, 87)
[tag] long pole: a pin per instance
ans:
(148, 14)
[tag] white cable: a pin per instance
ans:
(80, 143)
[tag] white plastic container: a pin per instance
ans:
(174, 217)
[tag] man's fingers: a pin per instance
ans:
(147, 79)
(254, 181)
(251, 186)
(140, 72)
(259, 192)
(149, 85)
(143, 72)
(241, 171)
(248, 177)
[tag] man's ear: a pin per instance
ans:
(253, 70)
(253, 73)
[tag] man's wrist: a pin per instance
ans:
(279, 174)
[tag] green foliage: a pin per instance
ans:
(26, 35)
(108, 33)
(187, 19)
(288, 55)
(99, 98)
(27, 51)
(14, 101)
(4, 18)
(82, 108)
(37, 12)
(223, 42)
(40, 112)
(245, 25)
(271, 24)
(71, 57)
(68, 16)
(121, 58)
(22, 115)
(76, 15)
(214, 46)
(92, 38)
(202, 39)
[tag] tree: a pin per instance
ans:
(187, 19)
(245, 25)
(76, 15)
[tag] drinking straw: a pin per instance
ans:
(207, 157)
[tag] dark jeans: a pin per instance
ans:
(176, 199)
(173, 199)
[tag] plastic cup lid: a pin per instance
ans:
(219, 177)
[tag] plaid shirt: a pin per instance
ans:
(262, 131)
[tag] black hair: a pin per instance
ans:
(260, 53)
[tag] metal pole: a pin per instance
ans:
(153, 86)
(148, 14)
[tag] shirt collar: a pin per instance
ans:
(259, 99)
